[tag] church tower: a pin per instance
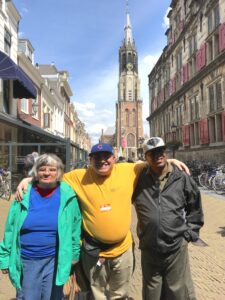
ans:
(129, 124)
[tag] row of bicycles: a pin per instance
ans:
(208, 175)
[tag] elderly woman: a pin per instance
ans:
(42, 234)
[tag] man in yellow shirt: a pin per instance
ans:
(104, 191)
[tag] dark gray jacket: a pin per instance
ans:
(166, 217)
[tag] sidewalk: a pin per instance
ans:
(207, 263)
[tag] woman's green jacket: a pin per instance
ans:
(69, 229)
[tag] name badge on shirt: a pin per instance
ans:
(105, 207)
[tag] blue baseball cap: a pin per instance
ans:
(101, 147)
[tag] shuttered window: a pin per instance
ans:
(201, 57)
(223, 124)
(194, 108)
(185, 73)
(211, 98)
(186, 135)
(203, 132)
(213, 18)
(215, 96)
(222, 37)
(218, 95)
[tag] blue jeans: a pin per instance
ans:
(38, 280)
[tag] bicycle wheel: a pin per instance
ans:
(219, 184)
(202, 179)
(209, 181)
(7, 190)
(1, 189)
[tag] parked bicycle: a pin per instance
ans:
(218, 182)
(195, 168)
(5, 185)
(205, 179)
(211, 177)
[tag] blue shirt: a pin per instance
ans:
(38, 235)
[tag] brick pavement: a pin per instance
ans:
(207, 263)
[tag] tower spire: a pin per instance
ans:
(128, 27)
(127, 7)
(129, 125)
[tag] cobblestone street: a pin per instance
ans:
(207, 263)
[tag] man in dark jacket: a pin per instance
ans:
(169, 211)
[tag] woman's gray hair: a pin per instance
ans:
(48, 159)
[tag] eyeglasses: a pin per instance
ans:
(101, 156)
(47, 169)
(157, 151)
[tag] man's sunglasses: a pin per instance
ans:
(157, 151)
(101, 155)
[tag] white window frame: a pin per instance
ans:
(24, 105)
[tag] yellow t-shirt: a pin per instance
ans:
(106, 203)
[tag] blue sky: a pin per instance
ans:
(83, 37)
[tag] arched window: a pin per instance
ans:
(127, 117)
(129, 59)
(130, 140)
(123, 61)
(134, 117)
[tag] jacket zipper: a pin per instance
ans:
(159, 215)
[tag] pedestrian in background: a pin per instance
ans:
(169, 211)
(121, 159)
(42, 234)
(104, 191)
(29, 161)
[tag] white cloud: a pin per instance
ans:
(87, 105)
(21, 34)
(85, 109)
(96, 129)
(165, 19)
(94, 119)
(24, 11)
(98, 109)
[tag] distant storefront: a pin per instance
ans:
(18, 138)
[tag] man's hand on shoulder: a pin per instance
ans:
(22, 188)
(180, 165)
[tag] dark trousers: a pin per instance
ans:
(38, 281)
(167, 276)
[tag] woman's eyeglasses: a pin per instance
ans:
(47, 169)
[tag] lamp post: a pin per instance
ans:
(140, 142)
(173, 129)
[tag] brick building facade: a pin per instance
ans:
(187, 84)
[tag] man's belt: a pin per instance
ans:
(92, 246)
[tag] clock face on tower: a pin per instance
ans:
(129, 66)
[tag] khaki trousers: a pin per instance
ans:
(111, 279)
(167, 276)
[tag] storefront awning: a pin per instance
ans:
(22, 84)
